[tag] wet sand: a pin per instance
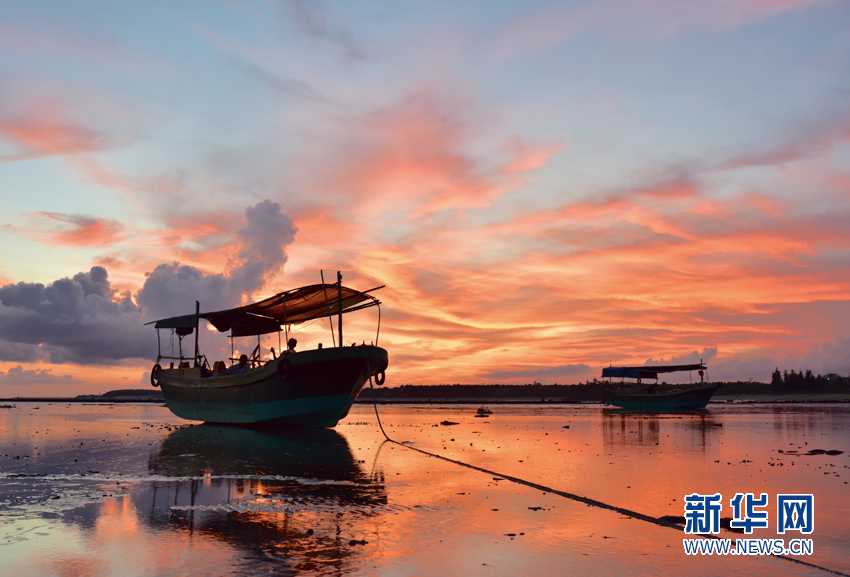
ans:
(132, 490)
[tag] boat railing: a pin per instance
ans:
(271, 315)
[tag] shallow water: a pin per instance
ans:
(132, 490)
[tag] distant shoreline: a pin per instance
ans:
(754, 399)
(536, 394)
(75, 400)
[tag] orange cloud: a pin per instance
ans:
(75, 230)
(411, 158)
(641, 272)
(48, 135)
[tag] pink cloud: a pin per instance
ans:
(529, 157)
(412, 157)
(93, 168)
(74, 229)
(48, 132)
(641, 272)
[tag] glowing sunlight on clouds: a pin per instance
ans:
(547, 191)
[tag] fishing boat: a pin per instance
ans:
(631, 395)
(313, 388)
(483, 412)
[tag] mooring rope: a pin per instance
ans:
(573, 496)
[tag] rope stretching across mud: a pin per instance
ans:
(574, 497)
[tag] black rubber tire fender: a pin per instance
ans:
(380, 378)
(154, 371)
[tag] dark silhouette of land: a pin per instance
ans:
(808, 387)
(784, 387)
(117, 396)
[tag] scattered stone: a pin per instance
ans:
(535, 508)
(448, 423)
(354, 542)
(309, 532)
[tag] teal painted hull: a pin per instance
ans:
(695, 397)
(313, 411)
(311, 389)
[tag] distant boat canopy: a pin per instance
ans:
(648, 372)
(287, 308)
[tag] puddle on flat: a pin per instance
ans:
(125, 490)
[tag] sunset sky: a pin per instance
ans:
(545, 188)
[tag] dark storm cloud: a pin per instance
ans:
(19, 352)
(73, 320)
(172, 289)
(82, 320)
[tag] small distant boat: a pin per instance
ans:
(629, 396)
(313, 388)
(483, 412)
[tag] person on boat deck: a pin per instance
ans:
(240, 369)
(291, 345)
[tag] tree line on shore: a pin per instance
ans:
(789, 382)
(794, 382)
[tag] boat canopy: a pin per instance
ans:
(648, 372)
(287, 308)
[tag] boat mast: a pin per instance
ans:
(339, 303)
(328, 304)
(197, 312)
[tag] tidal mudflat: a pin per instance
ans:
(126, 490)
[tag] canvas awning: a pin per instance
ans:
(647, 372)
(292, 307)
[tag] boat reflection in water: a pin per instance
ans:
(293, 498)
(627, 429)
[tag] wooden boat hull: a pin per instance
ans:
(312, 389)
(695, 397)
